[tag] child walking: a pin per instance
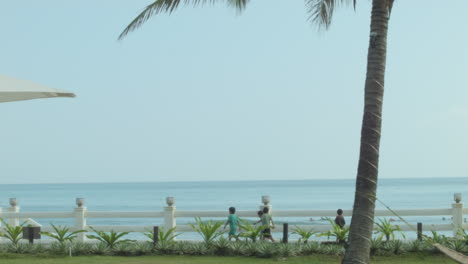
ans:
(233, 222)
(267, 221)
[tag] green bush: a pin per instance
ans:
(387, 230)
(165, 247)
(100, 249)
(163, 235)
(123, 249)
(143, 248)
(340, 234)
(250, 231)
(12, 233)
(305, 234)
(62, 234)
(310, 248)
(111, 239)
(288, 250)
(81, 249)
(265, 250)
(222, 247)
(209, 230)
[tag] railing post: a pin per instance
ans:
(169, 214)
(14, 208)
(285, 233)
(419, 231)
(266, 203)
(80, 219)
(457, 214)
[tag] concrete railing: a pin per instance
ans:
(169, 215)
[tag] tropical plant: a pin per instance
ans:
(437, 238)
(305, 234)
(311, 248)
(237, 248)
(266, 250)
(81, 248)
(12, 233)
(394, 247)
(250, 231)
(321, 12)
(143, 248)
(110, 239)
(222, 247)
(100, 249)
(123, 249)
(250, 249)
(458, 245)
(58, 248)
(62, 234)
(209, 230)
(341, 234)
(165, 247)
(463, 235)
(287, 249)
(416, 246)
(387, 230)
(163, 235)
(376, 245)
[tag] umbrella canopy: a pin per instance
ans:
(12, 89)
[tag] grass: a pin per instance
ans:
(19, 259)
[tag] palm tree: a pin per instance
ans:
(321, 12)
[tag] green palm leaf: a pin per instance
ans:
(169, 6)
(321, 11)
(62, 234)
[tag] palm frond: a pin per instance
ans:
(321, 11)
(169, 6)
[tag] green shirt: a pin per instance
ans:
(233, 220)
(266, 219)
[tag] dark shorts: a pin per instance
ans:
(266, 233)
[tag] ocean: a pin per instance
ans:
(434, 193)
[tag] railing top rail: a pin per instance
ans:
(242, 213)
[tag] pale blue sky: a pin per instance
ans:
(205, 94)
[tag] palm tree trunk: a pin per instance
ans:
(358, 250)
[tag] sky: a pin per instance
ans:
(210, 94)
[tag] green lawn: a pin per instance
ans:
(12, 259)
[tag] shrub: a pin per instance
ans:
(265, 250)
(250, 231)
(123, 249)
(12, 233)
(387, 230)
(237, 248)
(458, 245)
(250, 249)
(57, 248)
(288, 250)
(376, 245)
(111, 239)
(310, 248)
(81, 249)
(163, 235)
(305, 234)
(100, 249)
(62, 234)
(208, 229)
(222, 247)
(144, 248)
(341, 234)
(165, 247)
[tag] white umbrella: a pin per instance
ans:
(12, 89)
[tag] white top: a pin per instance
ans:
(12, 89)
